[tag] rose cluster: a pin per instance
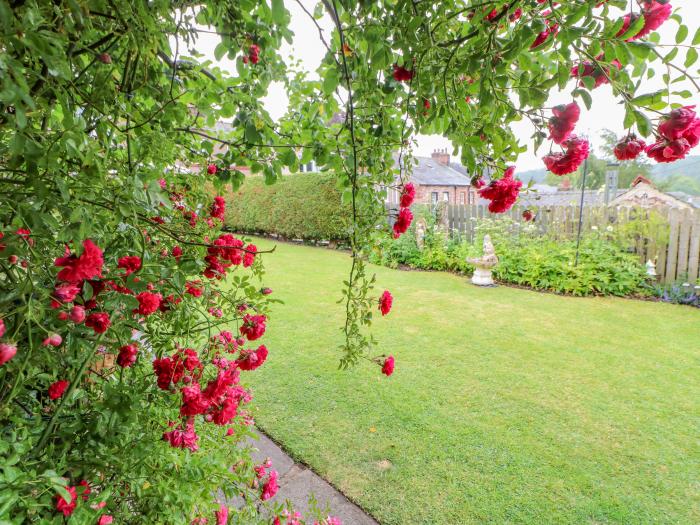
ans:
(404, 217)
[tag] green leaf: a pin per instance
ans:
(691, 57)
(278, 12)
(696, 38)
(643, 123)
(681, 34)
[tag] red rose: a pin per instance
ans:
(669, 151)
(53, 340)
(528, 215)
(254, 53)
(629, 148)
(87, 266)
(676, 123)
(385, 302)
(7, 352)
(562, 124)
(270, 487)
(57, 389)
(252, 359)
(218, 208)
(388, 366)
(211, 169)
(66, 292)
(401, 74)
(253, 326)
(98, 321)
(148, 302)
(193, 288)
(104, 58)
(577, 151)
(77, 314)
(66, 507)
(127, 355)
(177, 252)
(403, 222)
(502, 192)
(249, 257)
(408, 194)
(552, 29)
(130, 264)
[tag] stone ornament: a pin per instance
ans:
(484, 264)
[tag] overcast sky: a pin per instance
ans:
(605, 113)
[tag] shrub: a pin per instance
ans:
(525, 259)
(301, 206)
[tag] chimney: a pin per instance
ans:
(441, 156)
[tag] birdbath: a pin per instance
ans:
(484, 264)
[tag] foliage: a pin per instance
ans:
(555, 409)
(302, 206)
(677, 293)
(105, 105)
(525, 259)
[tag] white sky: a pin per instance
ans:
(605, 113)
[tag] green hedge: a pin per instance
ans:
(299, 206)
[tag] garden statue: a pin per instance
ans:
(651, 269)
(482, 273)
(421, 228)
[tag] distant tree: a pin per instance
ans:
(682, 183)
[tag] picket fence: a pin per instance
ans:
(668, 236)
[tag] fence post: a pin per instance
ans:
(694, 255)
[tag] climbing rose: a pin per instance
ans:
(562, 163)
(403, 222)
(668, 151)
(66, 507)
(655, 12)
(270, 487)
(677, 123)
(408, 194)
(515, 15)
(221, 515)
(148, 302)
(528, 215)
(218, 208)
(211, 169)
(53, 340)
(127, 355)
(98, 321)
(193, 288)
(629, 148)
(87, 266)
(252, 359)
(385, 302)
(401, 74)
(77, 314)
(502, 192)
(2, 326)
(105, 519)
(179, 438)
(253, 326)
(254, 53)
(590, 69)
(562, 124)
(7, 352)
(552, 29)
(57, 389)
(130, 264)
(66, 292)
(249, 256)
(177, 252)
(264, 291)
(388, 366)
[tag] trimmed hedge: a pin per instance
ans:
(297, 206)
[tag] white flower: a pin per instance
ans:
(609, 228)
(594, 228)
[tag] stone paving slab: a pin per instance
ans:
(297, 483)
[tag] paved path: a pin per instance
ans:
(297, 483)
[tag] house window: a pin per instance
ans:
(434, 197)
(446, 196)
(462, 197)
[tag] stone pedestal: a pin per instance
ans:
(484, 264)
(482, 277)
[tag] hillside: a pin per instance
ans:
(683, 175)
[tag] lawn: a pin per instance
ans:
(507, 406)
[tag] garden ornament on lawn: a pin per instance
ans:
(421, 228)
(484, 264)
(651, 269)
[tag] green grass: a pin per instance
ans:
(507, 406)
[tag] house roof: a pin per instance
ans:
(428, 172)
(565, 198)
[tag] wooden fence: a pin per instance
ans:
(670, 237)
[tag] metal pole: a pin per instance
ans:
(580, 211)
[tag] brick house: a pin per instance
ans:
(438, 180)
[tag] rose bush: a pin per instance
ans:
(129, 319)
